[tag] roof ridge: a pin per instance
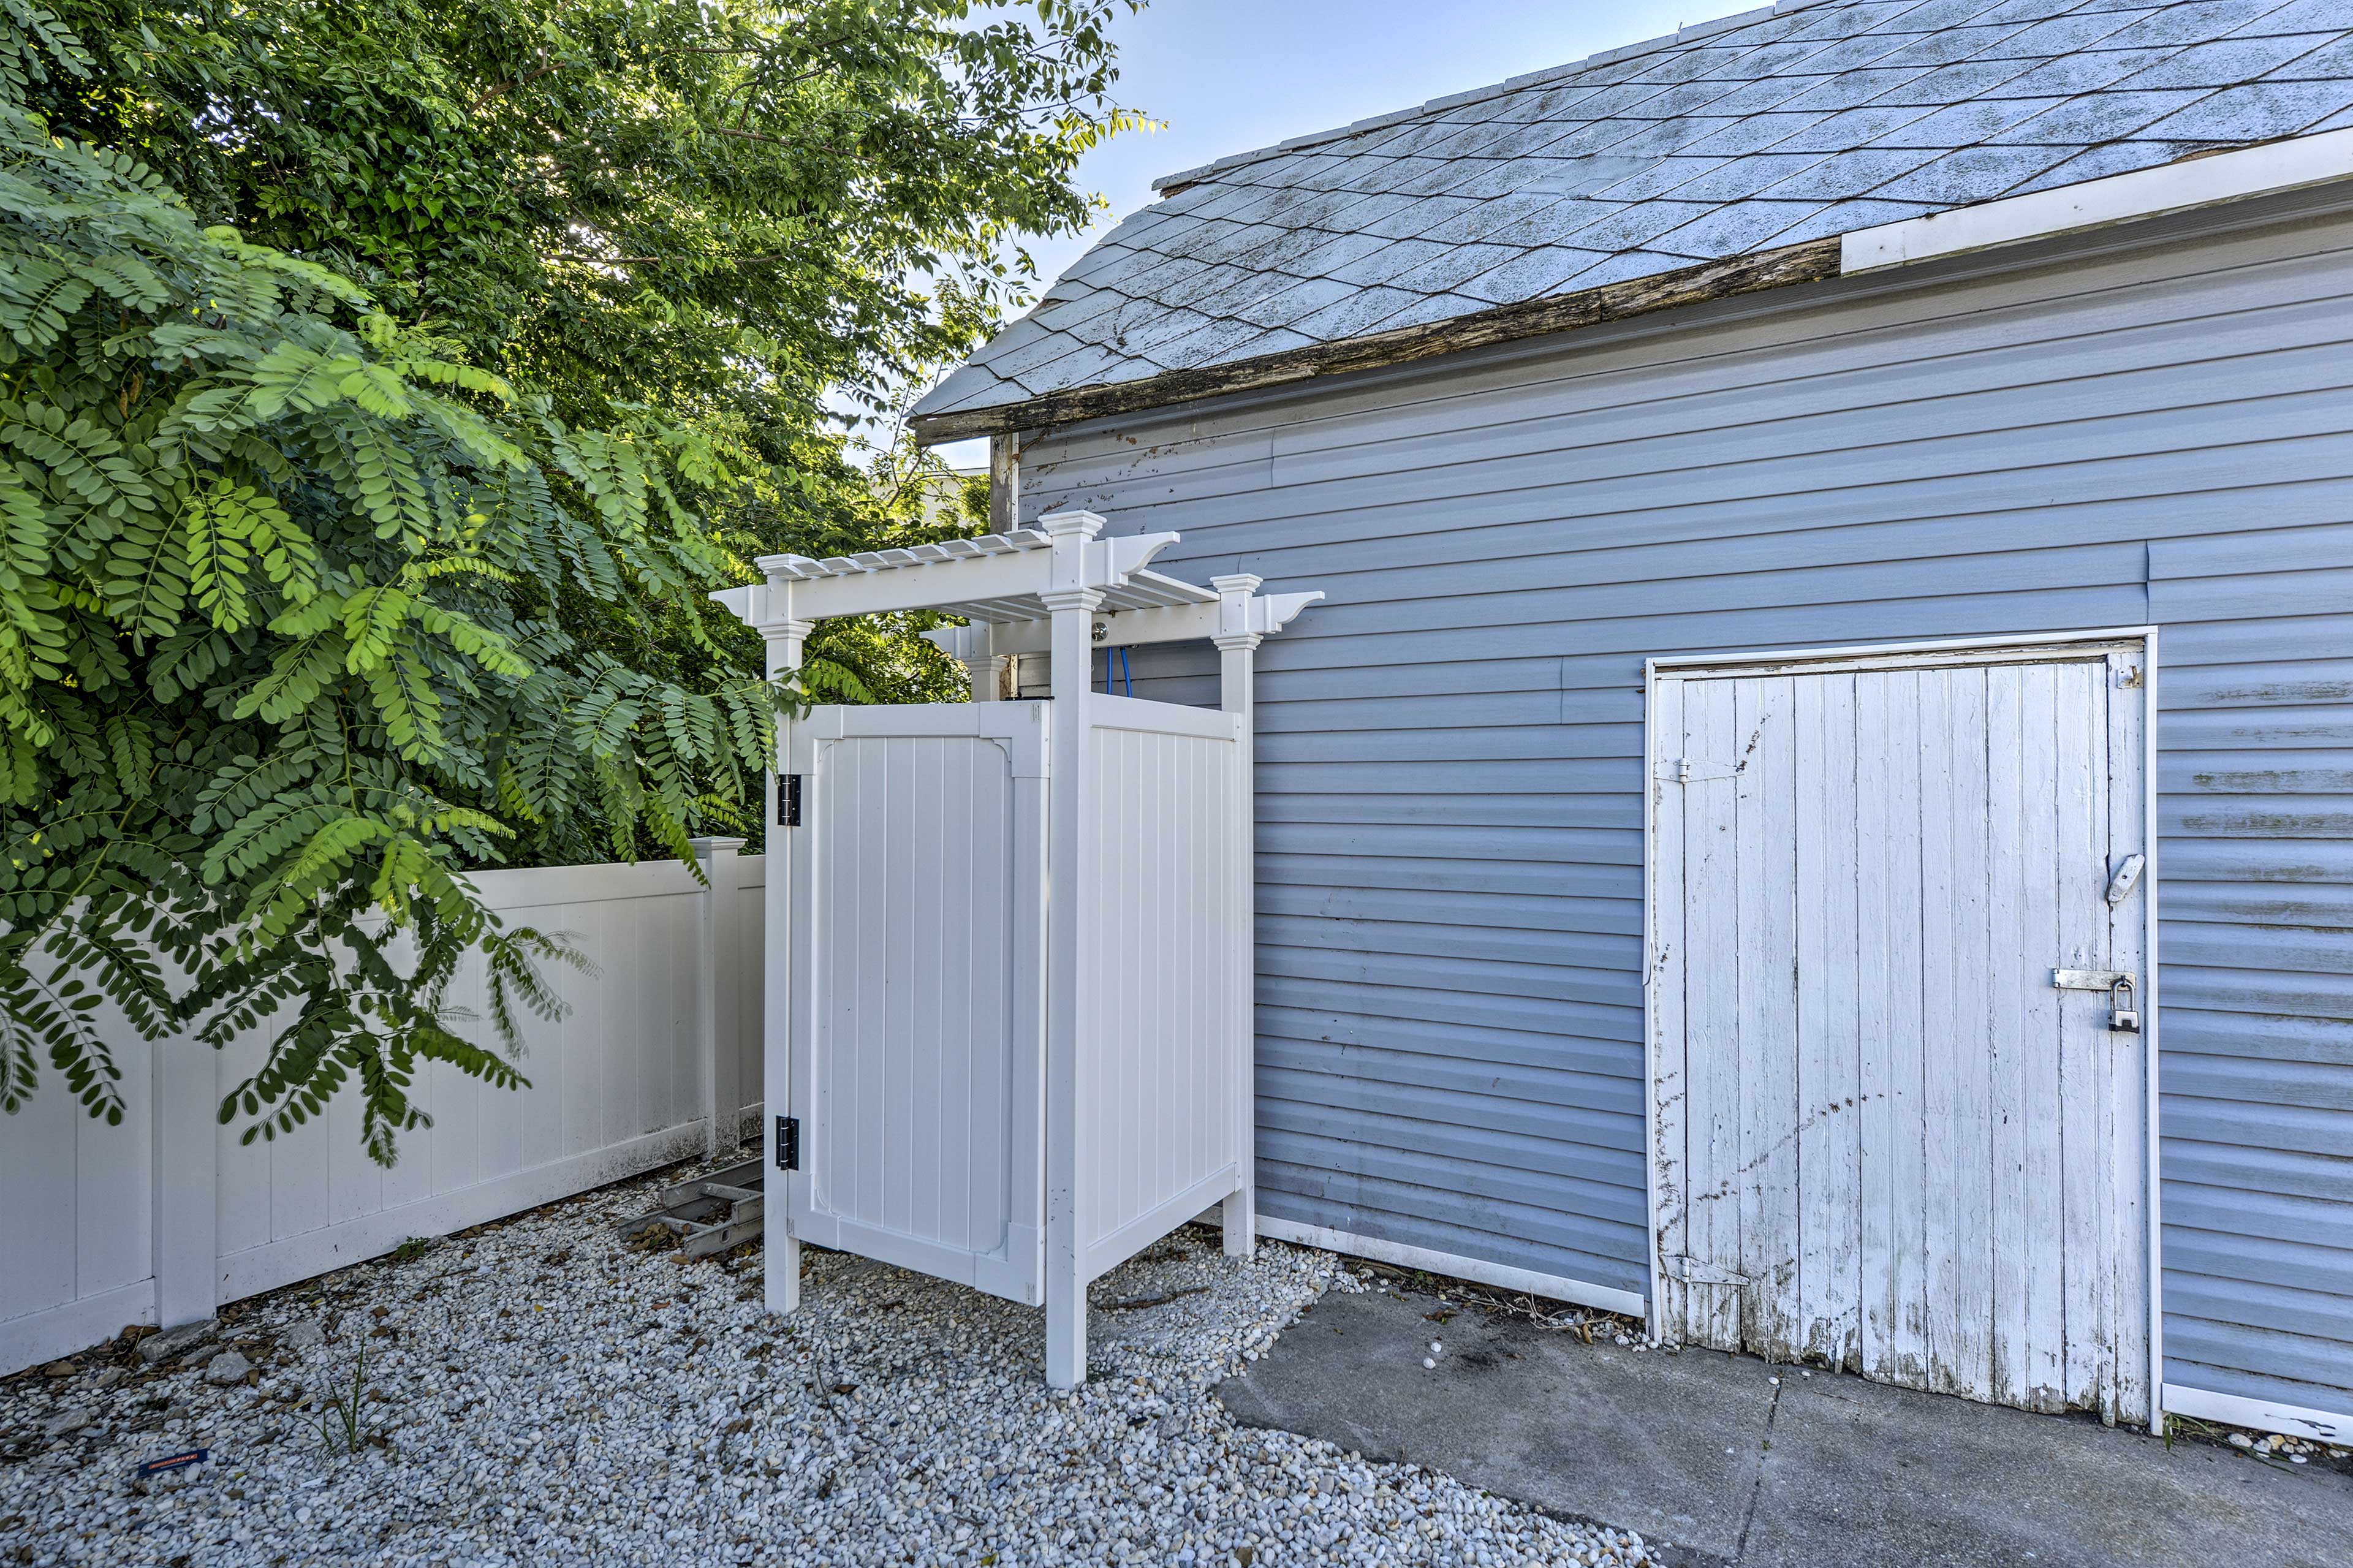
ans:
(1697, 30)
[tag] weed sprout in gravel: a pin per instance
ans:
(538, 1393)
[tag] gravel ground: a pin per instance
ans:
(541, 1393)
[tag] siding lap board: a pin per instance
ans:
(1449, 754)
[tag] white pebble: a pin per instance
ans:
(631, 1410)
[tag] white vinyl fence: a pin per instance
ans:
(167, 1215)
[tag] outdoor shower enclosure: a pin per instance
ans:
(1009, 948)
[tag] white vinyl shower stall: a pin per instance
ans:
(1009, 948)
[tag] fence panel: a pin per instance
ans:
(169, 1214)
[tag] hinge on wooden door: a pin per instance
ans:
(1688, 770)
(788, 1142)
(789, 800)
(1694, 1271)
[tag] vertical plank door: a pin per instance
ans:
(1885, 1141)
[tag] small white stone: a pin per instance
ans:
(619, 1410)
(227, 1368)
(1435, 1347)
(2241, 1440)
(1428, 1362)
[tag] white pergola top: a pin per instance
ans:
(1139, 590)
(1007, 584)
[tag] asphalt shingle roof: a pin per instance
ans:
(1740, 135)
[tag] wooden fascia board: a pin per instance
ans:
(1785, 268)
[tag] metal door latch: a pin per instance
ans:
(2123, 1018)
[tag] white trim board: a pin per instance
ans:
(71, 1326)
(1602, 1298)
(2197, 181)
(2262, 1415)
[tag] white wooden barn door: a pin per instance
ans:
(917, 978)
(1884, 1137)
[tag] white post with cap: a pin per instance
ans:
(1236, 641)
(786, 636)
(1070, 909)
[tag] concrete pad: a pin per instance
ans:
(1661, 1444)
(1704, 1452)
(1899, 1477)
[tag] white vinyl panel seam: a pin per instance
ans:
(1207, 803)
(1180, 1153)
(1200, 856)
(1160, 1111)
(1133, 843)
(927, 874)
(1117, 853)
(1216, 918)
(953, 920)
(982, 1197)
(1156, 1117)
(1164, 924)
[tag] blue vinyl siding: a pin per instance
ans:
(1451, 793)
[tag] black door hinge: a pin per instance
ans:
(788, 1142)
(789, 800)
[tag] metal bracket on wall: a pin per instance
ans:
(1692, 770)
(1695, 1271)
(2091, 979)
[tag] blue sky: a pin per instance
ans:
(1229, 74)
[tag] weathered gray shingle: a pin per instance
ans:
(1753, 132)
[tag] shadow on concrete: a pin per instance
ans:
(1707, 1452)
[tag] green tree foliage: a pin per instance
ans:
(730, 215)
(367, 540)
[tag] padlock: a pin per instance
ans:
(2123, 1018)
